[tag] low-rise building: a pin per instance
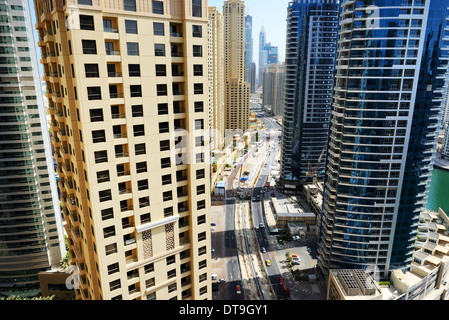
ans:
(426, 278)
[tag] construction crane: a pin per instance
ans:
(313, 171)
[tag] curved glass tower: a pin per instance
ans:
(384, 126)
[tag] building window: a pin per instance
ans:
(96, 115)
(200, 174)
(199, 106)
(158, 7)
(85, 2)
(140, 149)
(142, 185)
(106, 195)
(197, 8)
(197, 31)
(107, 214)
(114, 285)
(161, 70)
(158, 28)
(141, 167)
(86, 22)
(199, 141)
(197, 88)
(89, 46)
(113, 268)
(94, 93)
(139, 130)
(137, 111)
(199, 124)
(133, 48)
(202, 236)
(201, 205)
(130, 5)
(197, 51)
(201, 219)
(101, 156)
(111, 249)
(161, 89)
(197, 69)
(136, 90)
(98, 136)
(134, 70)
(131, 26)
(162, 108)
(164, 127)
(165, 163)
(91, 70)
(159, 50)
(164, 145)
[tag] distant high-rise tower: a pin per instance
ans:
(273, 88)
(263, 56)
(216, 78)
(236, 87)
(312, 28)
(249, 46)
(128, 90)
(31, 231)
(389, 92)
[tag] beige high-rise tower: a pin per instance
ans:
(122, 76)
(216, 78)
(237, 89)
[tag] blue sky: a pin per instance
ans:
(272, 14)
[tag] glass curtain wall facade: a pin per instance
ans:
(385, 120)
(312, 28)
(31, 238)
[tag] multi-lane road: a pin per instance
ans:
(225, 242)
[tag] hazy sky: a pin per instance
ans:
(272, 14)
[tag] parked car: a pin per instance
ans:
(264, 250)
(221, 280)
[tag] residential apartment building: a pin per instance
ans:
(273, 88)
(262, 55)
(427, 278)
(216, 78)
(388, 97)
(248, 46)
(128, 91)
(312, 28)
(237, 89)
(31, 232)
(445, 146)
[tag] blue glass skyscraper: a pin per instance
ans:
(312, 28)
(385, 120)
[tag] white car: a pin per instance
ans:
(221, 280)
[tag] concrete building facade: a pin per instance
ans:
(273, 88)
(237, 89)
(128, 91)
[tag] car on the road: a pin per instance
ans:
(213, 224)
(309, 249)
(268, 262)
(221, 280)
(238, 290)
(257, 228)
(254, 198)
(264, 250)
